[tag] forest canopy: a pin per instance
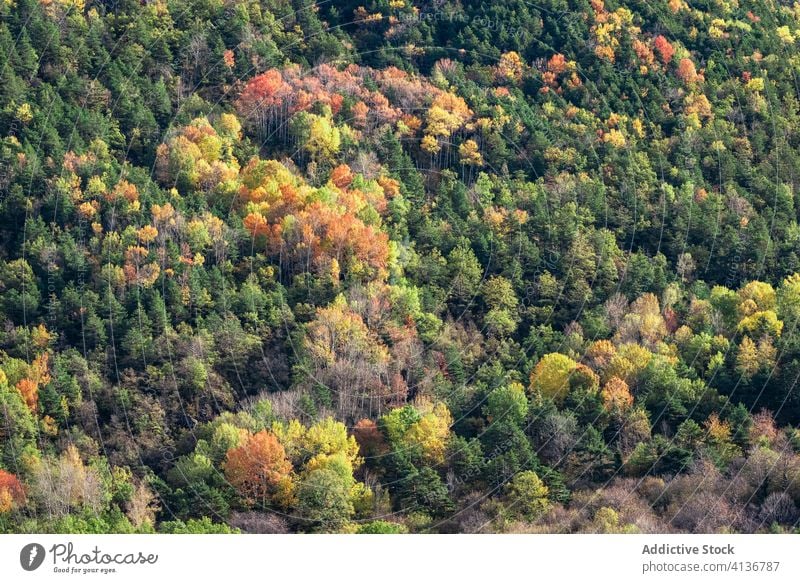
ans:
(399, 267)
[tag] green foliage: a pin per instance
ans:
(526, 495)
(196, 526)
(508, 404)
(323, 500)
(381, 527)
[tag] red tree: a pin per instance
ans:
(11, 492)
(664, 49)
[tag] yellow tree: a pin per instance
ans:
(510, 67)
(431, 432)
(747, 361)
(550, 376)
(469, 154)
(349, 360)
(324, 139)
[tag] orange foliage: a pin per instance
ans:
(12, 495)
(341, 176)
(262, 89)
(259, 470)
(330, 233)
(268, 98)
(124, 189)
(256, 225)
(359, 112)
(616, 395)
(686, 71)
(391, 187)
(412, 122)
(643, 52)
(763, 427)
(30, 393)
(38, 376)
(557, 64)
(664, 49)
(304, 231)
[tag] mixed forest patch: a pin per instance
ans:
(392, 266)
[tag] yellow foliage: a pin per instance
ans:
(469, 154)
(763, 294)
(638, 127)
(550, 376)
(87, 209)
(40, 336)
(430, 144)
(628, 362)
(147, 234)
(785, 35)
(615, 138)
(6, 501)
(761, 322)
(447, 113)
(24, 113)
(510, 66)
(162, 214)
(431, 433)
(747, 357)
(330, 437)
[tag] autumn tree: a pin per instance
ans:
(510, 68)
(266, 101)
(259, 470)
(430, 433)
(317, 136)
(348, 360)
(550, 376)
(12, 494)
(664, 49)
(616, 395)
(686, 71)
(66, 483)
(644, 322)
